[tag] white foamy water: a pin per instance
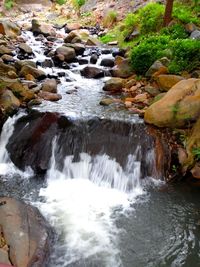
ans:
(6, 165)
(81, 201)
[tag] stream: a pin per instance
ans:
(101, 192)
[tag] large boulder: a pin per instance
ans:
(21, 91)
(36, 73)
(49, 96)
(178, 107)
(114, 85)
(27, 234)
(5, 50)
(50, 85)
(92, 72)
(64, 53)
(122, 70)
(24, 48)
(42, 28)
(9, 28)
(20, 63)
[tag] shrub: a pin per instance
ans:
(147, 52)
(176, 31)
(110, 18)
(8, 4)
(151, 17)
(108, 38)
(184, 14)
(185, 55)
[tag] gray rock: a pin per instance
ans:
(195, 35)
(92, 72)
(107, 62)
(65, 53)
(25, 48)
(113, 85)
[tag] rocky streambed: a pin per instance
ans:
(79, 151)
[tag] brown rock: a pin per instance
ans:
(5, 50)
(114, 85)
(36, 73)
(196, 171)
(49, 96)
(8, 28)
(9, 102)
(180, 105)
(42, 28)
(4, 69)
(26, 233)
(166, 82)
(92, 72)
(122, 70)
(50, 85)
(25, 48)
(68, 53)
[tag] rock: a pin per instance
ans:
(42, 28)
(114, 85)
(196, 171)
(166, 82)
(92, 72)
(190, 27)
(178, 107)
(36, 73)
(4, 69)
(49, 96)
(76, 39)
(157, 66)
(122, 70)
(70, 37)
(94, 58)
(50, 85)
(141, 98)
(195, 35)
(47, 63)
(9, 102)
(7, 59)
(4, 258)
(107, 62)
(5, 50)
(113, 43)
(152, 90)
(21, 63)
(131, 36)
(12, 74)
(21, 91)
(25, 48)
(182, 155)
(71, 27)
(128, 104)
(26, 232)
(8, 28)
(79, 48)
(91, 41)
(34, 102)
(82, 61)
(106, 102)
(64, 53)
(195, 74)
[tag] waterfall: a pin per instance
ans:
(81, 199)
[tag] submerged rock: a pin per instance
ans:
(27, 234)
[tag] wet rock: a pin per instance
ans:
(50, 85)
(107, 62)
(12, 74)
(21, 91)
(106, 102)
(92, 42)
(195, 35)
(92, 72)
(47, 63)
(9, 28)
(36, 73)
(49, 96)
(64, 53)
(166, 82)
(26, 232)
(42, 28)
(34, 102)
(24, 48)
(93, 58)
(82, 61)
(118, 52)
(9, 102)
(114, 85)
(5, 50)
(122, 70)
(178, 107)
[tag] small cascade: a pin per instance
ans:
(81, 200)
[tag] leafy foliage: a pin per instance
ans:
(78, 3)
(176, 31)
(184, 14)
(196, 152)
(8, 4)
(110, 18)
(147, 52)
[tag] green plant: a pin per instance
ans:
(196, 152)
(78, 3)
(176, 31)
(147, 52)
(8, 4)
(151, 18)
(184, 14)
(108, 38)
(174, 168)
(110, 18)
(61, 2)
(185, 55)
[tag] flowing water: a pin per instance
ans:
(101, 191)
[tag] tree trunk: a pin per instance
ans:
(168, 12)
